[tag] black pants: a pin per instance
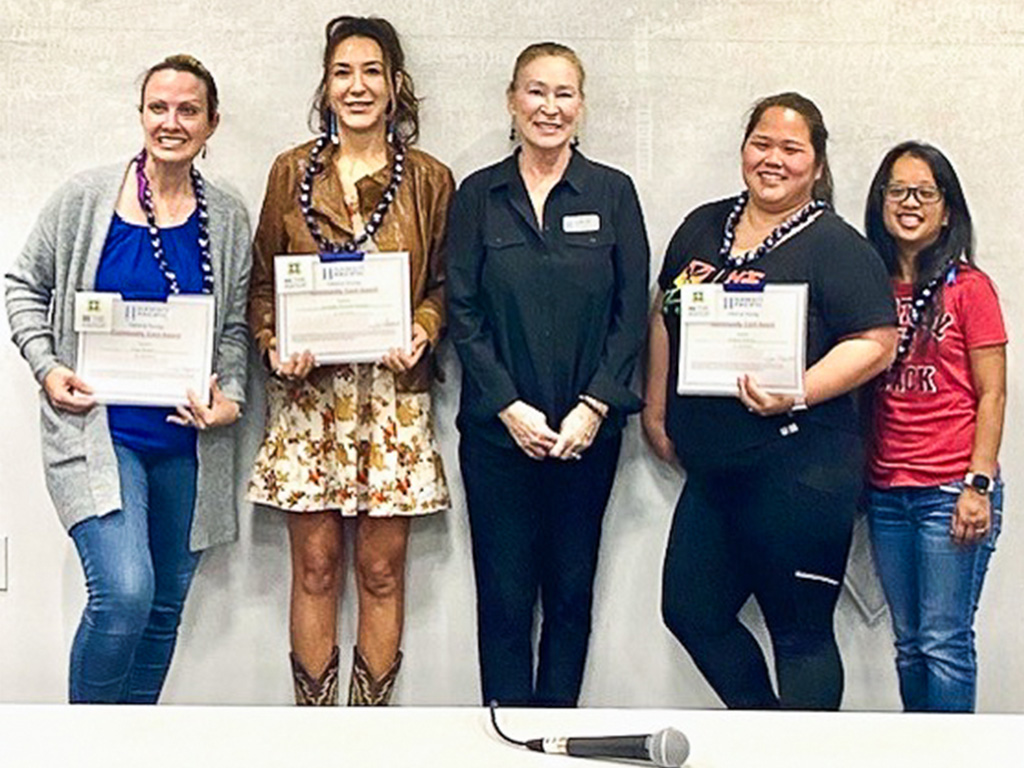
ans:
(536, 525)
(777, 525)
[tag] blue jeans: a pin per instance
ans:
(932, 586)
(138, 569)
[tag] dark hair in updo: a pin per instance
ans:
(182, 62)
(808, 110)
(404, 107)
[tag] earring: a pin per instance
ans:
(512, 130)
(202, 153)
(332, 128)
(575, 141)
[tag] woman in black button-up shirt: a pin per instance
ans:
(547, 286)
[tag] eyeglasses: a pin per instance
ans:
(897, 193)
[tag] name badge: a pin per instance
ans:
(581, 222)
(94, 312)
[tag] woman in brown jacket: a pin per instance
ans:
(352, 440)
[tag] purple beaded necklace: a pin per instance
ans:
(146, 202)
(313, 167)
(917, 308)
(805, 215)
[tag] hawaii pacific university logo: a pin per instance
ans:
(696, 272)
(693, 273)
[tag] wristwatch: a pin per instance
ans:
(978, 481)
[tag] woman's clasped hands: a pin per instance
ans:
(531, 432)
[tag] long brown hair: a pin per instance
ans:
(182, 62)
(404, 109)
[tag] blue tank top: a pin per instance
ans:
(127, 267)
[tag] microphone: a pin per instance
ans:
(667, 748)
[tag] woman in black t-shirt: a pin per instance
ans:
(772, 480)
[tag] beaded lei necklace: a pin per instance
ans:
(921, 299)
(811, 211)
(805, 215)
(146, 202)
(352, 246)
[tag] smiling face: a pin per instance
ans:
(546, 102)
(913, 225)
(779, 163)
(357, 85)
(175, 116)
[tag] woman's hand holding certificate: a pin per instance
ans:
(66, 391)
(399, 360)
(221, 411)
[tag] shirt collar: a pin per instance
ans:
(327, 193)
(576, 175)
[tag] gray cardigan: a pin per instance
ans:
(61, 257)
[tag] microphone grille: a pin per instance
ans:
(669, 748)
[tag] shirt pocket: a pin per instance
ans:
(589, 244)
(586, 262)
(506, 259)
(501, 242)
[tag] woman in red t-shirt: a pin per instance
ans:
(934, 496)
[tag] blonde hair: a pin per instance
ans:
(536, 50)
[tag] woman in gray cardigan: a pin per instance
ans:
(141, 490)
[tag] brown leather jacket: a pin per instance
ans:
(416, 222)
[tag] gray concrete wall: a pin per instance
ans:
(667, 89)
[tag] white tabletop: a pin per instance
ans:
(253, 737)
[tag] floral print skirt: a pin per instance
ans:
(344, 439)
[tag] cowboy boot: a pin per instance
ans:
(316, 691)
(364, 690)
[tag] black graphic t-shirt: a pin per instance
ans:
(848, 293)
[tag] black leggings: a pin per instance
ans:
(775, 525)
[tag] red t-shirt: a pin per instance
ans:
(925, 413)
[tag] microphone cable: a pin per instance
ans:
(494, 721)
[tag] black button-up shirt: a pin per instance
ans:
(546, 313)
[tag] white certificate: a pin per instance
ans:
(343, 311)
(725, 334)
(144, 352)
